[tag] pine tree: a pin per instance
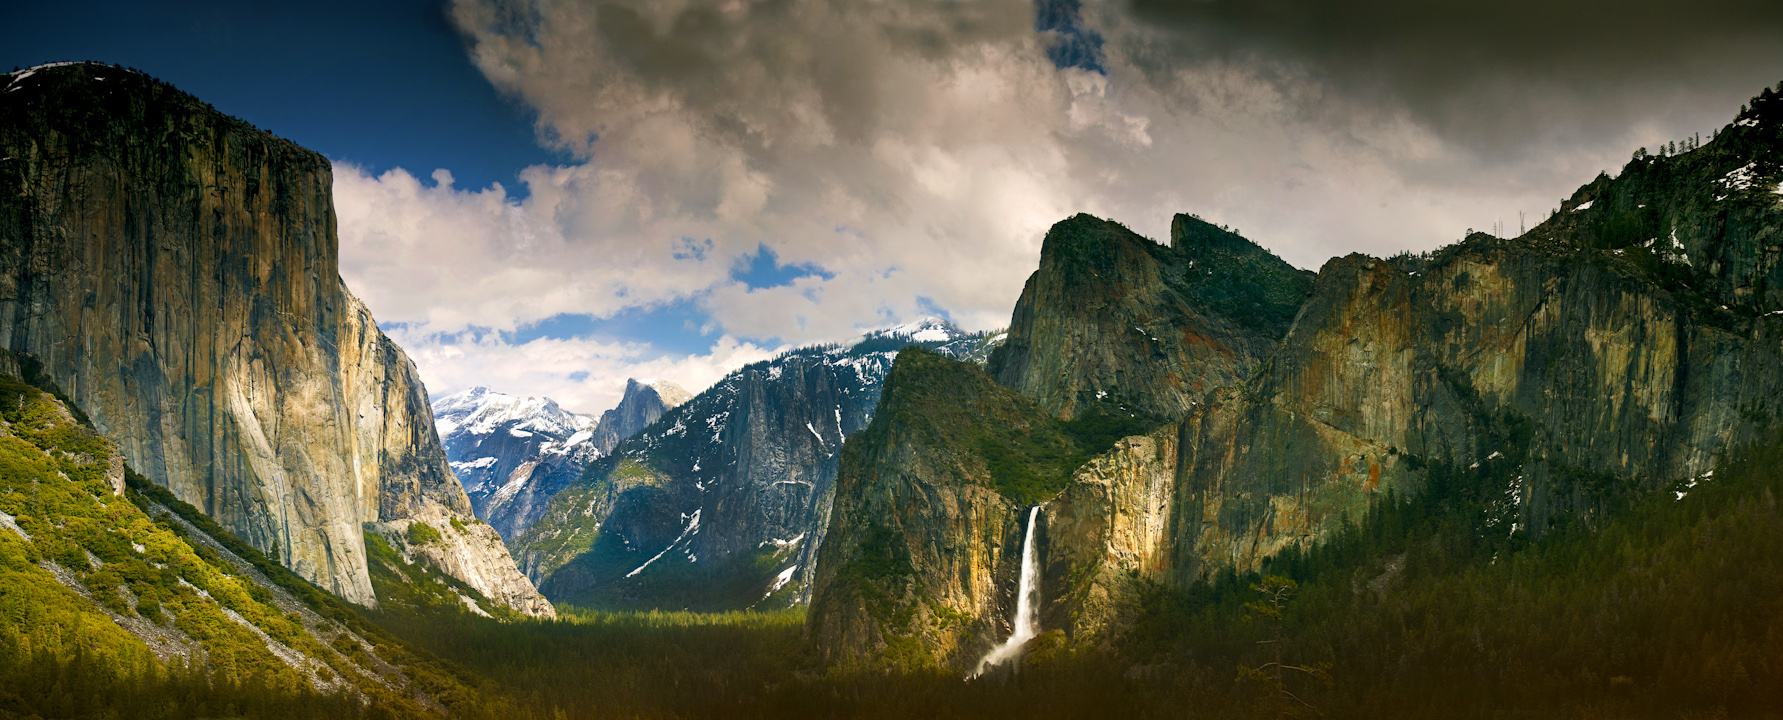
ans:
(1277, 590)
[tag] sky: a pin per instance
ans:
(547, 197)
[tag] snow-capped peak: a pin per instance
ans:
(480, 411)
(928, 329)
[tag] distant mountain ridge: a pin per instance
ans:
(723, 501)
(512, 453)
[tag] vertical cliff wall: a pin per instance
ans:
(1619, 346)
(1111, 318)
(641, 405)
(1107, 530)
(175, 271)
(921, 560)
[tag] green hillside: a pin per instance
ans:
(138, 605)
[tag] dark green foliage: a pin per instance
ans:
(879, 343)
(1026, 468)
(675, 581)
(957, 409)
(1235, 278)
(880, 573)
(1668, 607)
(755, 665)
(41, 684)
(421, 533)
(1097, 428)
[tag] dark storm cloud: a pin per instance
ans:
(1491, 73)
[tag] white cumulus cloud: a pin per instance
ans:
(915, 152)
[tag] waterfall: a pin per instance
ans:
(1027, 604)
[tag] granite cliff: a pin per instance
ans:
(1111, 317)
(97, 561)
(643, 402)
(921, 562)
(1616, 349)
(174, 270)
(923, 551)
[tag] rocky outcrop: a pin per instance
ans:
(1111, 317)
(470, 551)
(1112, 333)
(723, 502)
(644, 401)
(923, 553)
(922, 562)
(175, 272)
(1108, 529)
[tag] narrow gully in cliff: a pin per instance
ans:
(1027, 604)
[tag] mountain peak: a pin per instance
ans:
(668, 391)
(925, 329)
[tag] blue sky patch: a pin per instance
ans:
(378, 84)
(762, 270)
(676, 328)
(1074, 45)
(926, 306)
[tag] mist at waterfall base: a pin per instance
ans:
(1027, 605)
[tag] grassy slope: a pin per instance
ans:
(62, 654)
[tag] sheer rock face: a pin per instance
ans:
(923, 555)
(174, 270)
(923, 558)
(1111, 316)
(1109, 527)
(1557, 367)
(643, 402)
(1621, 345)
(744, 469)
(1110, 322)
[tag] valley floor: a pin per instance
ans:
(1670, 607)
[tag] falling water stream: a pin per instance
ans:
(1027, 605)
